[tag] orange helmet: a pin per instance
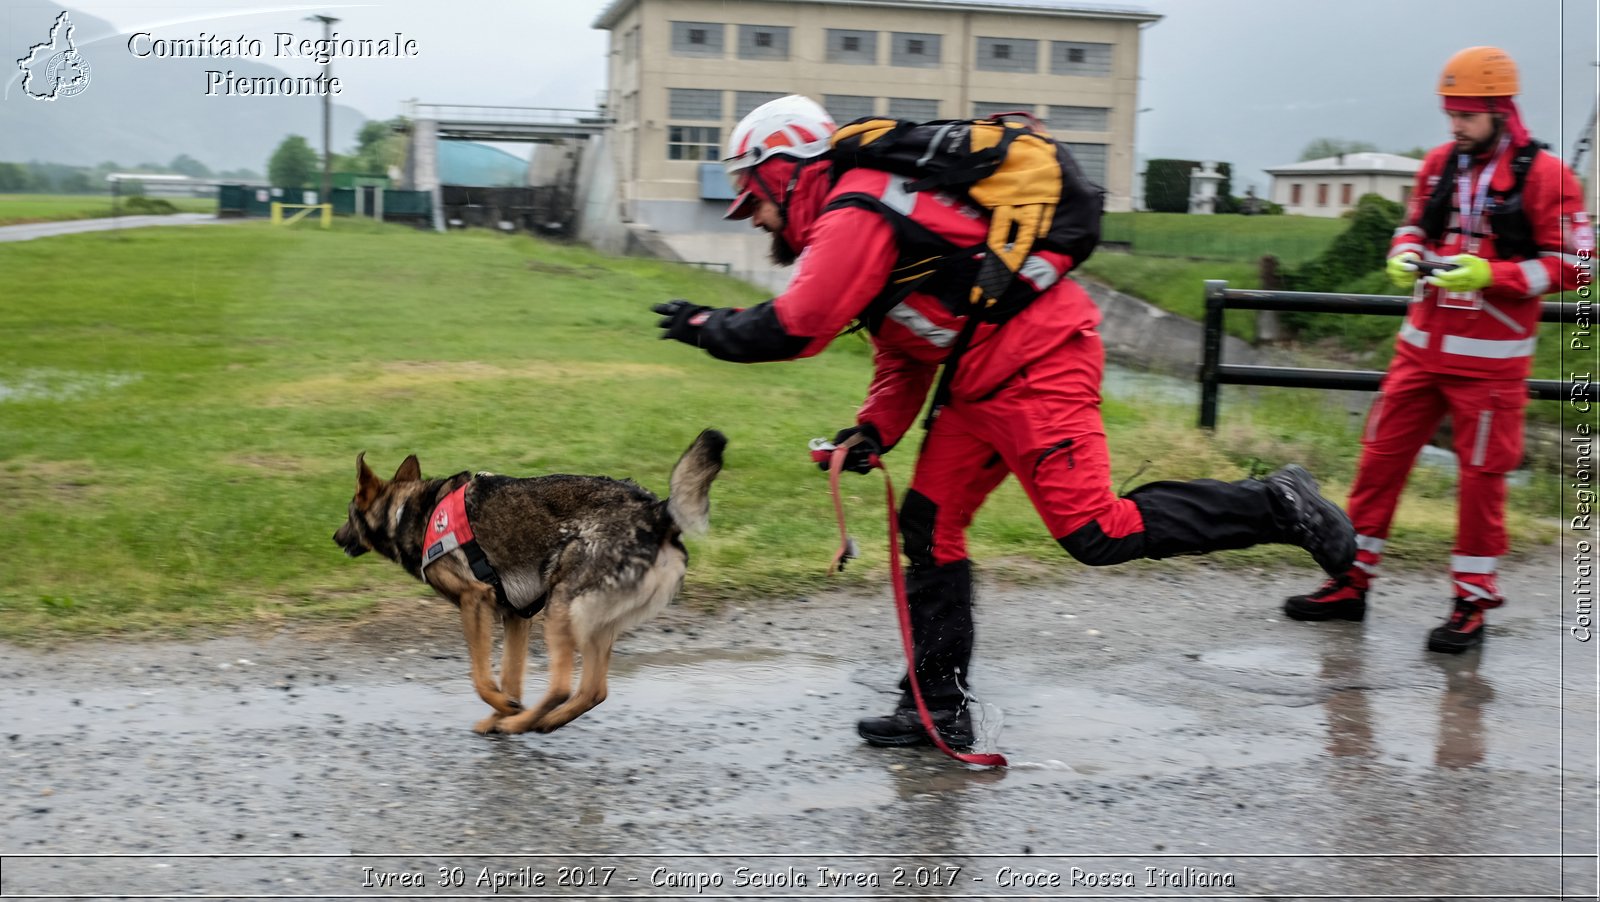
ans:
(1479, 72)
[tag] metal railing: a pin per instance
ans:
(505, 115)
(1214, 373)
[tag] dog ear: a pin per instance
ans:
(410, 471)
(367, 483)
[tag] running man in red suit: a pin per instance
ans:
(1025, 399)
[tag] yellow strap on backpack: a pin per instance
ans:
(1020, 195)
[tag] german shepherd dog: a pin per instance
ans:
(601, 555)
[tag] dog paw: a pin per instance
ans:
(487, 725)
(510, 726)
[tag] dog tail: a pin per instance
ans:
(689, 501)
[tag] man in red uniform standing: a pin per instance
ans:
(1507, 219)
(1025, 398)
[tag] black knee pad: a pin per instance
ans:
(1090, 545)
(916, 528)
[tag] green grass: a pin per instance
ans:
(181, 411)
(1292, 239)
(24, 208)
(1175, 285)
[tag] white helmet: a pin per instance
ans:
(792, 126)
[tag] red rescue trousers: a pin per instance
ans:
(1486, 419)
(1044, 426)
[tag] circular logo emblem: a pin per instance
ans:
(68, 72)
(441, 522)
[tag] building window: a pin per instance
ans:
(692, 142)
(697, 39)
(1008, 55)
(1322, 194)
(763, 42)
(1294, 194)
(913, 108)
(1079, 118)
(1080, 58)
(855, 47)
(745, 101)
(848, 107)
(914, 50)
(694, 103)
(1091, 158)
(1405, 194)
(1346, 193)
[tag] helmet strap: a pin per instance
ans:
(767, 193)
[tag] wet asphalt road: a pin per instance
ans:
(1171, 735)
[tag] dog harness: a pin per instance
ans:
(449, 529)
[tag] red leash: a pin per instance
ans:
(835, 456)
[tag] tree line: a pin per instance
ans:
(293, 164)
(380, 146)
(38, 177)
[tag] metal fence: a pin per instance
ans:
(504, 114)
(1214, 373)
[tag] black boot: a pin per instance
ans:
(1312, 521)
(940, 602)
(904, 727)
(1342, 597)
(1461, 631)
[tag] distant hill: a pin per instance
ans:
(146, 110)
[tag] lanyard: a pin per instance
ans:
(1472, 212)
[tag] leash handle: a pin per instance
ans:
(824, 450)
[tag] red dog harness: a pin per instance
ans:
(449, 529)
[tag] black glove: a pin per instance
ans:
(681, 320)
(858, 458)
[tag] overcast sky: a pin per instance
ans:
(1245, 81)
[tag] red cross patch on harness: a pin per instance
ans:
(448, 528)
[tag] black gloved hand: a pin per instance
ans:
(681, 320)
(859, 458)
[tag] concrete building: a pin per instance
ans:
(1330, 186)
(682, 73)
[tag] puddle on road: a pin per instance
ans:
(776, 713)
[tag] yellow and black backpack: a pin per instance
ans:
(1036, 196)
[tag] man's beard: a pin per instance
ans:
(1479, 148)
(782, 254)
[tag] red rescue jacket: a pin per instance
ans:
(848, 259)
(1497, 341)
